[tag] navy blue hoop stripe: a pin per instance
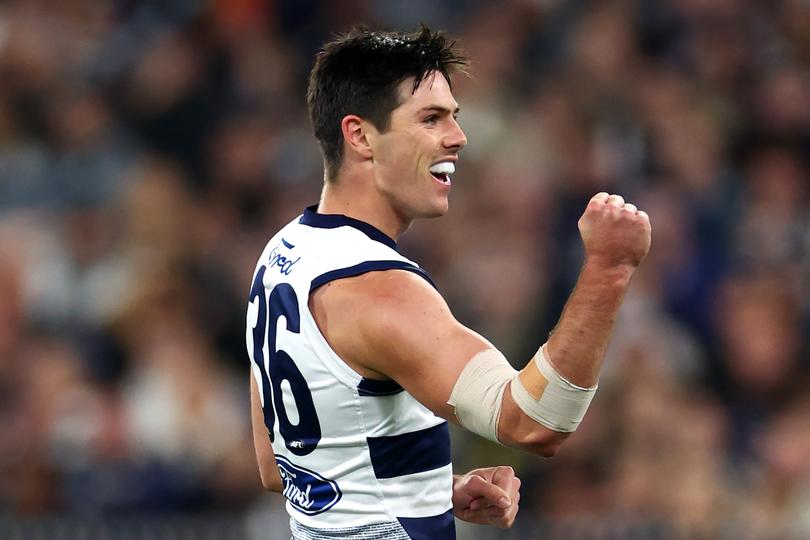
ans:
(368, 266)
(409, 453)
(441, 527)
(377, 388)
(312, 218)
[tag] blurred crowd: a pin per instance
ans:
(148, 149)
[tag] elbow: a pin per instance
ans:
(518, 430)
(546, 448)
(272, 483)
(271, 486)
(544, 443)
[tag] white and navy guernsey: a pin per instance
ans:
(359, 458)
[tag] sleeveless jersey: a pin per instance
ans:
(359, 458)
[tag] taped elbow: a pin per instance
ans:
(478, 393)
(549, 409)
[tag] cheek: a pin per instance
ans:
(393, 151)
(406, 157)
(404, 153)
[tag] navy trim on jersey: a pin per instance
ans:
(368, 266)
(378, 388)
(441, 527)
(409, 453)
(312, 218)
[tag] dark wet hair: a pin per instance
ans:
(358, 73)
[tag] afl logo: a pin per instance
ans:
(308, 491)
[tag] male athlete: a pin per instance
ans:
(357, 361)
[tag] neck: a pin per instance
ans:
(357, 198)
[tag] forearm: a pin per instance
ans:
(575, 351)
(539, 407)
(576, 347)
(548, 399)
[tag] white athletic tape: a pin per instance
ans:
(551, 400)
(478, 392)
(560, 405)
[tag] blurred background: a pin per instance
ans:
(149, 149)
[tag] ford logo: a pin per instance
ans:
(307, 491)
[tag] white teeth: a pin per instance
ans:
(444, 167)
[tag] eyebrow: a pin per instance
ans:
(438, 109)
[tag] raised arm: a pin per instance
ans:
(393, 324)
(616, 237)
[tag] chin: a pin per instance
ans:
(425, 209)
(437, 210)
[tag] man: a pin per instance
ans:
(357, 361)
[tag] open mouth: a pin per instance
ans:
(443, 178)
(441, 171)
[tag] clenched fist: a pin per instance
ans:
(615, 233)
(487, 496)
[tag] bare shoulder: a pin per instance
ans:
(385, 286)
(375, 304)
(394, 324)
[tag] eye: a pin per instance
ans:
(432, 119)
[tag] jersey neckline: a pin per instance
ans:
(312, 218)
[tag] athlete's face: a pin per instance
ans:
(415, 157)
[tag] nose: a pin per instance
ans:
(455, 139)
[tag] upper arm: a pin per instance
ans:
(393, 323)
(265, 457)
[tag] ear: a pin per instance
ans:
(356, 135)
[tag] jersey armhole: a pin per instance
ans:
(365, 267)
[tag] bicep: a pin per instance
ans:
(427, 356)
(402, 328)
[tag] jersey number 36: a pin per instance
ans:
(300, 438)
